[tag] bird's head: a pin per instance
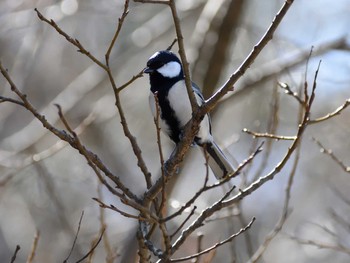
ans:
(164, 64)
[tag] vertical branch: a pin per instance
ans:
(182, 53)
(135, 147)
(110, 257)
(119, 27)
(272, 128)
(161, 157)
(262, 248)
(143, 252)
(219, 56)
(162, 226)
(34, 246)
(213, 100)
(15, 254)
(75, 238)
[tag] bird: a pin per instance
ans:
(167, 83)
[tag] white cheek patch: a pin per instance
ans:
(170, 70)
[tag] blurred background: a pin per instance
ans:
(45, 185)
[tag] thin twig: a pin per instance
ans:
(200, 236)
(63, 119)
(213, 100)
(206, 213)
(288, 91)
(160, 150)
(166, 238)
(332, 155)
(75, 42)
(272, 126)
(338, 247)
(314, 85)
(182, 54)
(285, 211)
(75, 238)
(134, 145)
(15, 254)
(301, 128)
(34, 246)
(332, 114)
(306, 95)
(93, 159)
(229, 239)
(133, 78)
(184, 222)
(273, 68)
(111, 255)
(171, 45)
(82, 150)
(5, 99)
(206, 187)
(268, 135)
(93, 248)
(119, 27)
(113, 208)
(340, 220)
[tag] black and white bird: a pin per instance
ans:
(168, 84)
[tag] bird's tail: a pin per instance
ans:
(217, 161)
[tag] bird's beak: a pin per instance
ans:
(148, 70)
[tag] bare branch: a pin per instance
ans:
(281, 64)
(75, 42)
(278, 227)
(92, 159)
(199, 221)
(75, 238)
(159, 143)
(288, 91)
(5, 99)
(184, 222)
(65, 123)
(112, 207)
(171, 45)
(213, 100)
(34, 246)
(134, 145)
(111, 254)
(200, 236)
(229, 239)
(133, 78)
(268, 135)
(332, 114)
(206, 187)
(262, 180)
(330, 153)
(93, 248)
(182, 54)
(15, 254)
(338, 247)
(272, 126)
(119, 27)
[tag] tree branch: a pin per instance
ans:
(229, 239)
(213, 100)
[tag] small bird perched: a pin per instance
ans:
(168, 84)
